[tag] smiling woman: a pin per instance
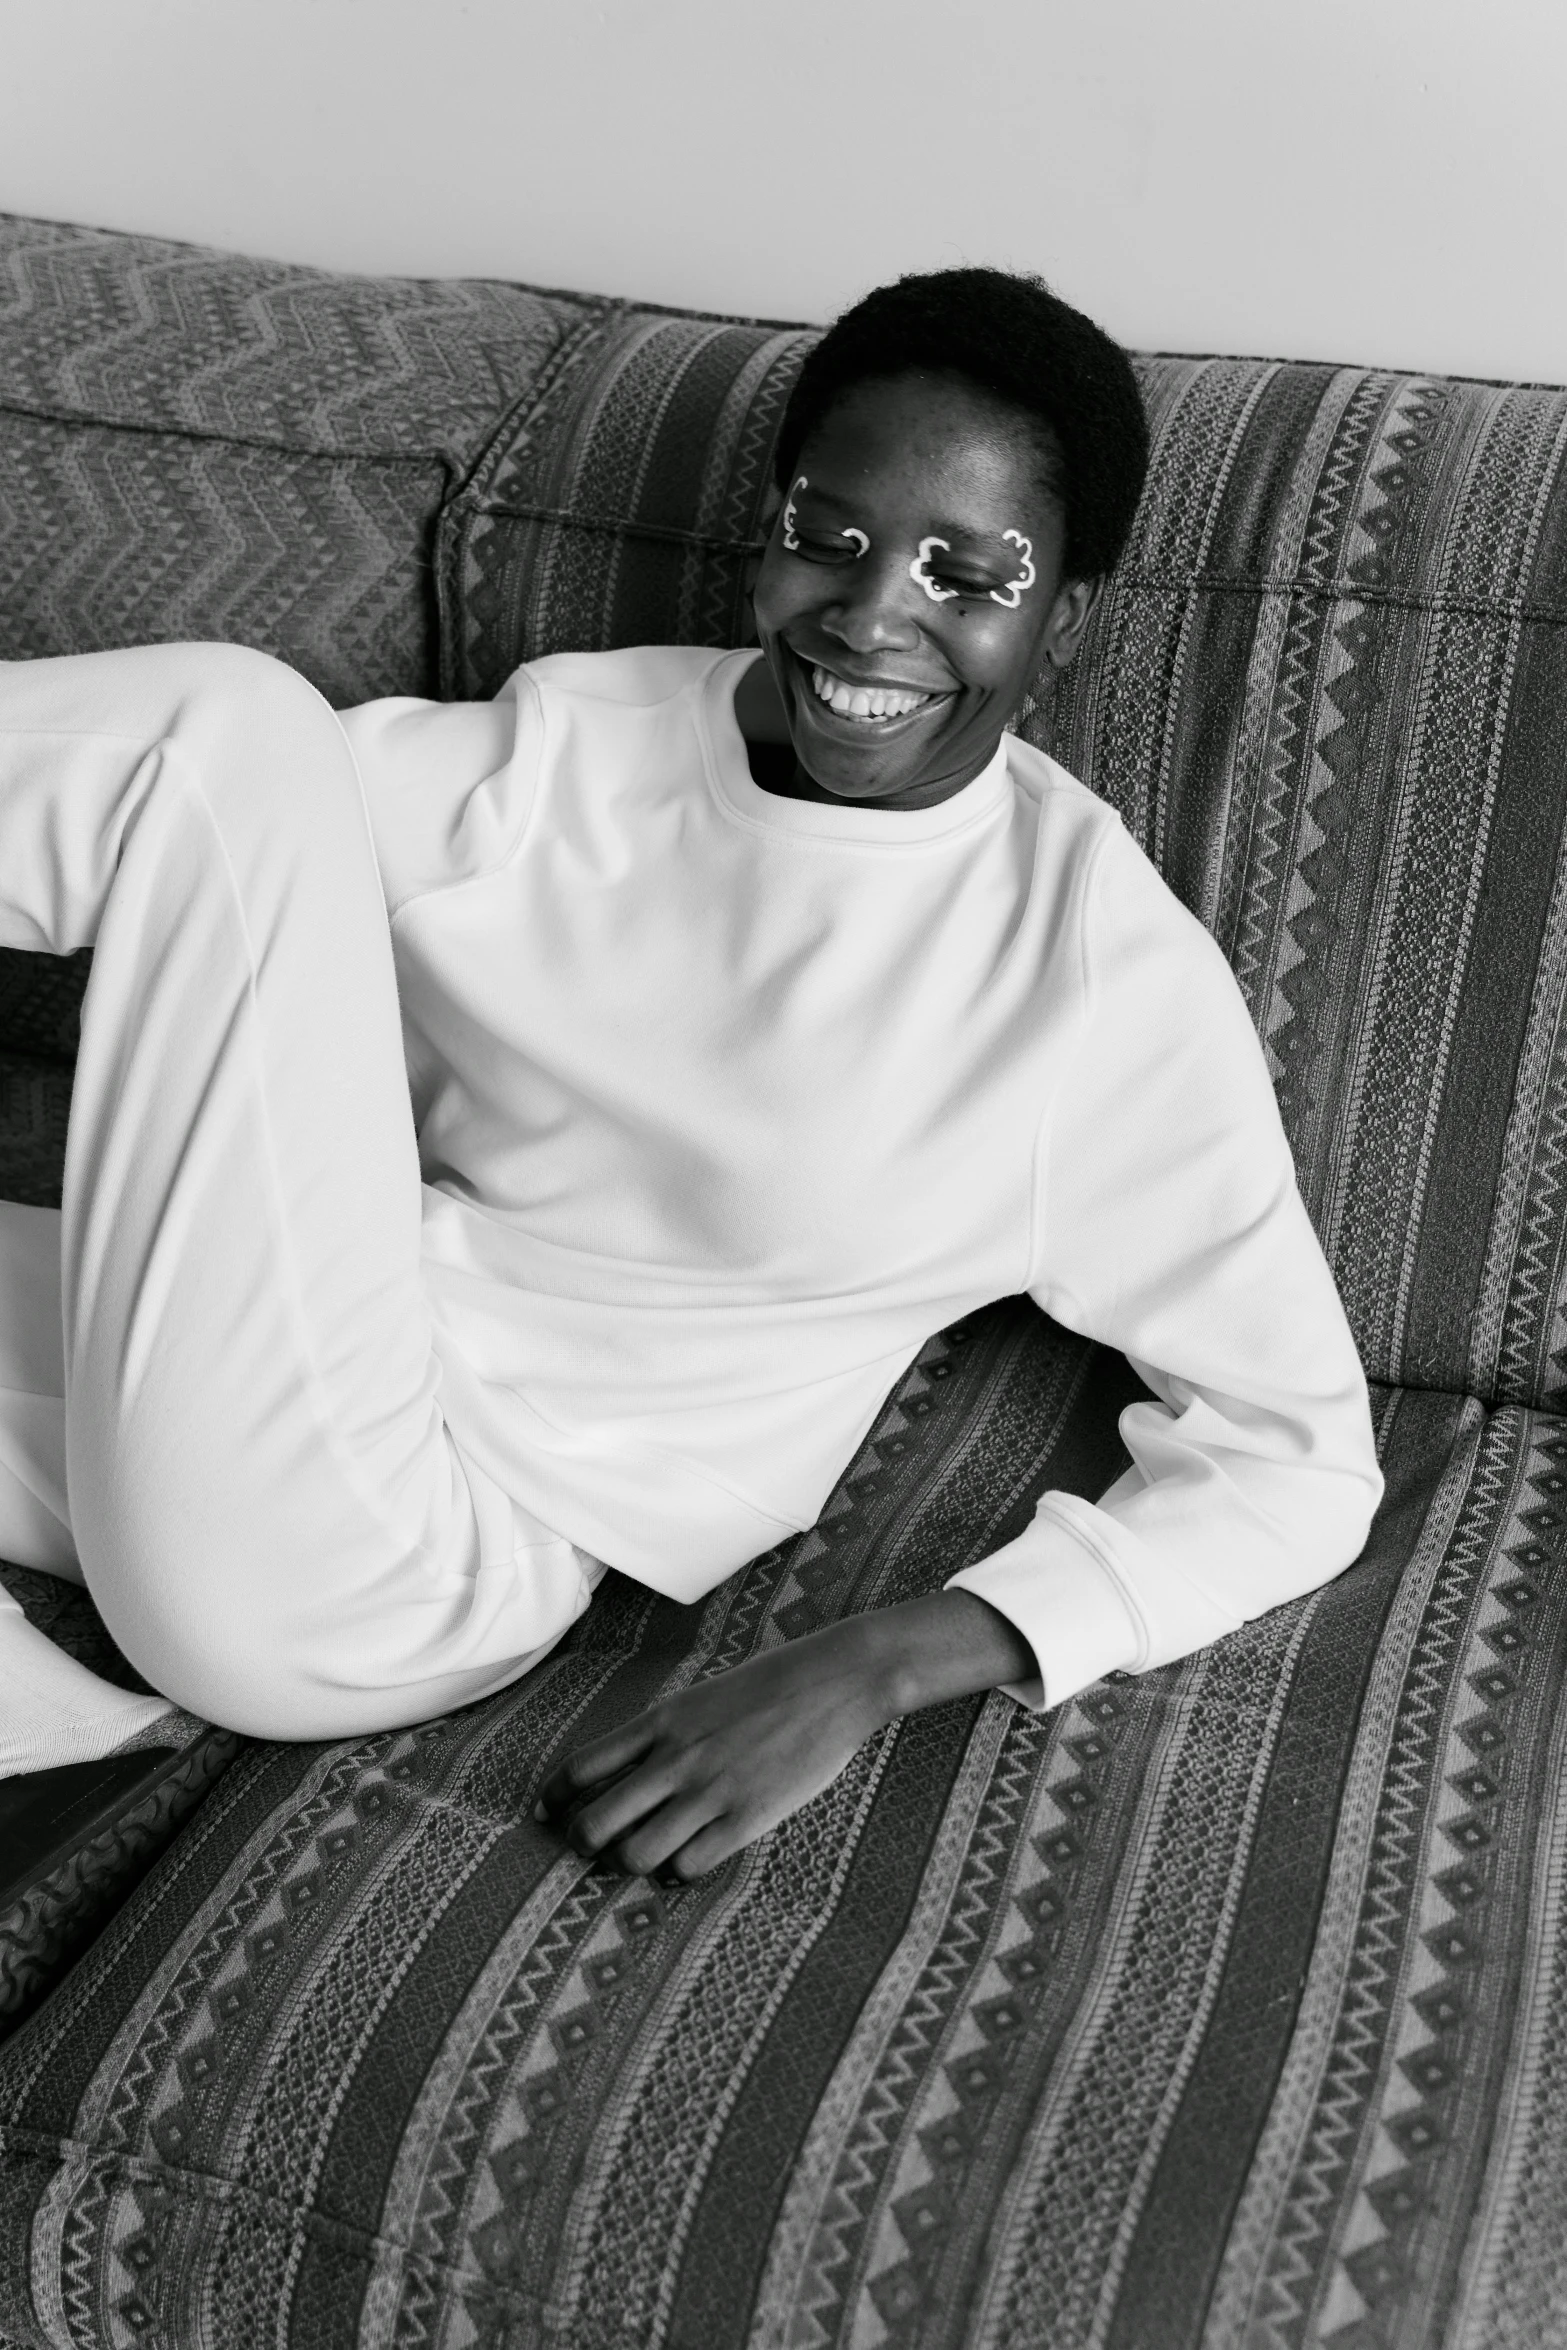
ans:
(963, 454)
(758, 1015)
(959, 467)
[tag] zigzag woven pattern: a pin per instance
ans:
(1325, 690)
(203, 446)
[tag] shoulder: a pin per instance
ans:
(1072, 820)
(447, 785)
(1043, 779)
(1130, 894)
(633, 677)
(1074, 836)
(1142, 945)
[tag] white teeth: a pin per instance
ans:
(858, 701)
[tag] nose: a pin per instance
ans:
(874, 606)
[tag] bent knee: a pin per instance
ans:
(238, 698)
(273, 1691)
(283, 1676)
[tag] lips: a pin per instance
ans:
(869, 706)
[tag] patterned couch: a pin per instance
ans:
(1226, 2006)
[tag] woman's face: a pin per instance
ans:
(923, 583)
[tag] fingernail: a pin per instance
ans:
(539, 1812)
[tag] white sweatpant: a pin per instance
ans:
(219, 1404)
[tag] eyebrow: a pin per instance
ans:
(962, 539)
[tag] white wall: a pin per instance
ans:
(1378, 180)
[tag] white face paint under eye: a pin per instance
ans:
(1012, 594)
(864, 546)
(790, 541)
(919, 570)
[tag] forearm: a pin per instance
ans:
(927, 1651)
(708, 1769)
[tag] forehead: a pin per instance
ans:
(932, 443)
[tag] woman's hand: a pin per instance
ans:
(703, 1773)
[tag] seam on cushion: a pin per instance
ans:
(206, 2188)
(514, 425)
(464, 504)
(664, 533)
(90, 421)
(1519, 607)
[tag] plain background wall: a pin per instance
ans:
(1380, 180)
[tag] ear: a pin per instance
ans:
(1069, 616)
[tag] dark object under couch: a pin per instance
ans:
(1226, 2006)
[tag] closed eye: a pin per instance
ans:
(964, 586)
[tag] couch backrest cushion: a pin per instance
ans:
(624, 505)
(193, 444)
(1328, 691)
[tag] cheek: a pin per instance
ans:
(781, 590)
(988, 649)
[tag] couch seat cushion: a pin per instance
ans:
(1220, 2006)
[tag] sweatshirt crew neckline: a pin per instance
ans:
(741, 797)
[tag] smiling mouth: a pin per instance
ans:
(867, 705)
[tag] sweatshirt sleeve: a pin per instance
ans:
(1169, 1225)
(448, 785)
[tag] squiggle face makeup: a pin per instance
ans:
(919, 570)
(791, 540)
(1011, 595)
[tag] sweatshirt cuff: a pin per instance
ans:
(1054, 1587)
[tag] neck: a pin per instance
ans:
(775, 769)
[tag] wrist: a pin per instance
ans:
(928, 1651)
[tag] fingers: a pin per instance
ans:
(657, 1846)
(616, 1803)
(581, 1772)
(718, 1841)
(608, 1816)
(640, 1821)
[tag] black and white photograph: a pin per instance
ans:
(783, 1175)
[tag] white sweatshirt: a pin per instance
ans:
(726, 1102)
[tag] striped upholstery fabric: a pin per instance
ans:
(203, 446)
(1223, 2009)
(1328, 693)
(620, 508)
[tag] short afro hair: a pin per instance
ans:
(1012, 338)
